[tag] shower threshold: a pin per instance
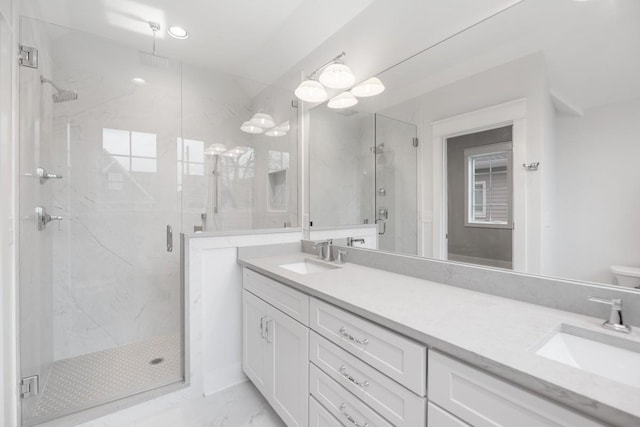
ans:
(93, 379)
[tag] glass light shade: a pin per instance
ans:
(230, 153)
(370, 87)
(251, 128)
(263, 120)
(311, 91)
(337, 76)
(214, 149)
(275, 132)
(344, 100)
(285, 126)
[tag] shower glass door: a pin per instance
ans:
(100, 294)
(396, 185)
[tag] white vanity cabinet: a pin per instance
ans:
(479, 399)
(275, 354)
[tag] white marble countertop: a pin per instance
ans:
(496, 334)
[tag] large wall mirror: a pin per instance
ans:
(528, 154)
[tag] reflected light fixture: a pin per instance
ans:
(138, 81)
(280, 130)
(249, 127)
(343, 100)
(370, 87)
(178, 33)
(215, 149)
(262, 120)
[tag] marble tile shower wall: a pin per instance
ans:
(341, 167)
(113, 282)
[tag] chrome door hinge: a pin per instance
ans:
(415, 141)
(29, 387)
(28, 56)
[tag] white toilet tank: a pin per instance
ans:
(626, 276)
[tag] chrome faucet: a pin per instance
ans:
(615, 322)
(352, 240)
(324, 249)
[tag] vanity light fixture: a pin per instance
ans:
(262, 120)
(343, 100)
(370, 87)
(178, 33)
(311, 91)
(334, 74)
(249, 127)
(337, 76)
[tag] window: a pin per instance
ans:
(135, 151)
(488, 186)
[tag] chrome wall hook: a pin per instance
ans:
(531, 166)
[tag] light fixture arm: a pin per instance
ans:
(336, 60)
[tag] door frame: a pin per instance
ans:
(510, 113)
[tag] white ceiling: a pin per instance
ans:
(273, 41)
(590, 47)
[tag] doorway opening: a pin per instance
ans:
(480, 197)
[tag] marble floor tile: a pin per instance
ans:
(238, 406)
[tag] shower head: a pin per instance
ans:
(152, 59)
(61, 95)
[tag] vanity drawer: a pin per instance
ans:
(282, 297)
(438, 417)
(320, 417)
(388, 398)
(392, 354)
(485, 401)
(347, 408)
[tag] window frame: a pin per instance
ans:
(469, 155)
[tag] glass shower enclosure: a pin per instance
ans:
(396, 195)
(101, 301)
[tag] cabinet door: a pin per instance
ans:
(288, 360)
(254, 343)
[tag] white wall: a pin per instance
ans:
(598, 194)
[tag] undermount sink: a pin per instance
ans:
(611, 357)
(308, 266)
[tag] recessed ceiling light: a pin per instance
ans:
(138, 81)
(178, 33)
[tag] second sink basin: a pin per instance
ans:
(308, 266)
(612, 357)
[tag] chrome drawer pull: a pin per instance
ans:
(351, 338)
(343, 372)
(350, 418)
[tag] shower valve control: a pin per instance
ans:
(44, 175)
(43, 218)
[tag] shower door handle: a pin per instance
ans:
(169, 238)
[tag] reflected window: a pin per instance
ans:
(190, 155)
(134, 151)
(278, 160)
(488, 186)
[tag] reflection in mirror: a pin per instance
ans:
(528, 126)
